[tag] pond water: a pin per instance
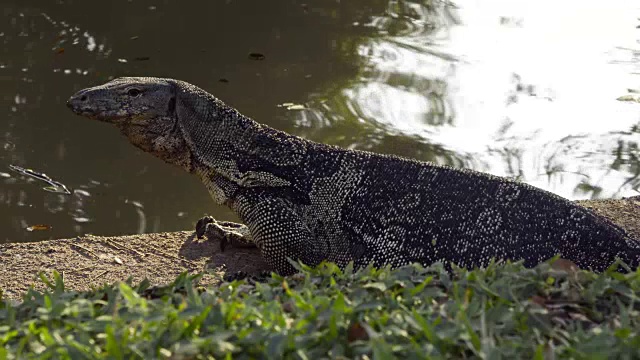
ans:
(543, 91)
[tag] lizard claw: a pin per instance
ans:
(201, 225)
(209, 227)
(228, 233)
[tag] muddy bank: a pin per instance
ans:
(87, 261)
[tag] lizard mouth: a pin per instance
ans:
(80, 105)
(78, 110)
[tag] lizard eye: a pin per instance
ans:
(134, 92)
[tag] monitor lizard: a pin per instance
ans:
(307, 201)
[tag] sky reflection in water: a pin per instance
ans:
(515, 88)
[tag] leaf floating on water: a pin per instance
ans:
(54, 186)
(137, 204)
(40, 227)
(292, 106)
(82, 192)
(256, 56)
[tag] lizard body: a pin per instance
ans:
(312, 202)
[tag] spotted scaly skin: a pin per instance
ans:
(312, 202)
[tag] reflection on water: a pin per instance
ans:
(513, 87)
(506, 87)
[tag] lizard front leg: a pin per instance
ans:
(227, 232)
(280, 233)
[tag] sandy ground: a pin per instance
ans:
(89, 261)
(94, 260)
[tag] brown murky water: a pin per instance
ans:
(508, 87)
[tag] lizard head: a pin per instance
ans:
(143, 108)
(126, 100)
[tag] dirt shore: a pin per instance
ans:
(87, 261)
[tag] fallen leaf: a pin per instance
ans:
(40, 227)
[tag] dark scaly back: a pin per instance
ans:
(466, 217)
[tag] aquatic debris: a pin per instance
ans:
(256, 56)
(54, 186)
(39, 227)
(292, 106)
(82, 192)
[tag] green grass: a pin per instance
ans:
(504, 311)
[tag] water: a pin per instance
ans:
(515, 88)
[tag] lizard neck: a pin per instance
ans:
(247, 154)
(229, 144)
